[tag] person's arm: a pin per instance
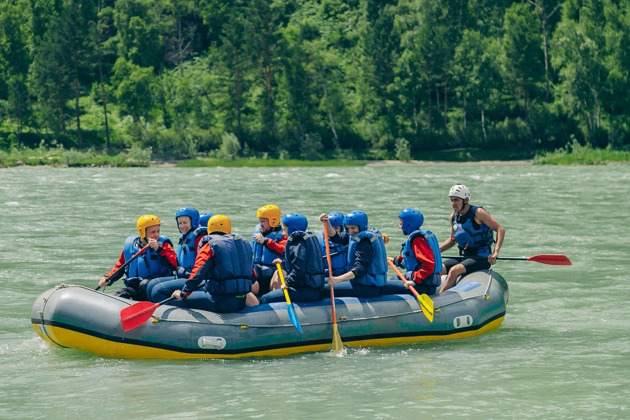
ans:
(450, 242)
(168, 253)
(119, 263)
(201, 274)
(482, 216)
(331, 231)
(202, 256)
(277, 247)
(424, 255)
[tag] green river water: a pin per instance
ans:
(563, 350)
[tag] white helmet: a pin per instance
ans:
(459, 191)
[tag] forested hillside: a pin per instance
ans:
(307, 79)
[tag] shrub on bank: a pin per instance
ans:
(58, 156)
(576, 154)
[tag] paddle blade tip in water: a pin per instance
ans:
(337, 344)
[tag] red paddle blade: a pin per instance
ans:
(551, 259)
(137, 314)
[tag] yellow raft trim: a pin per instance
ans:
(111, 349)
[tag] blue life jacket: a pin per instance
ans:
(314, 276)
(232, 271)
(412, 263)
(377, 271)
(186, 252)
(262, 254)
(473, 239)
(339, 259)
(150, 264)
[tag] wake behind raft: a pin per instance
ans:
(81, 318)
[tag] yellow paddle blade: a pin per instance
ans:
(426, 303)
(337, 350)
(337, 345)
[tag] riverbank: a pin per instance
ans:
(573, 154)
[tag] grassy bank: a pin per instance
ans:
(257, 162)
(576, 154)
(60, 157)
(573, 154)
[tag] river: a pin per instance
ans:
(563, 350)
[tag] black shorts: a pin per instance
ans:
(471, 264)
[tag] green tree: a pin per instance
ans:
(51, 79)
(617, 101)
(263, 38)
(476, 80)
(379, 50)
(78, 17)
(579, 56)
(429, 31)
(524, 56)
(103, 35)
(233, 63)
(135, 93)
(140, 27)
(14, 64)
(545, 10)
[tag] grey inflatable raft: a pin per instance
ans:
(83, 319)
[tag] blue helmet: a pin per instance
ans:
(191, 212)
(295, 222)
(356, 217)
(203, 219)
(335, 218)
(412, 219)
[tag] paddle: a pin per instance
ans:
(337, 345)
(122, 267)
(549, 259)
(426, 303)
(137, 314)
(292, 316)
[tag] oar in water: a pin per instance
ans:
(337, 345)
(549, 259)
(122, 267)
(290, 309)
(426, 303)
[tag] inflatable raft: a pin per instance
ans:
(83, 319)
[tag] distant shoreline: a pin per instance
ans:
(575, 154)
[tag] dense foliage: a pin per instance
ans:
(312, 79)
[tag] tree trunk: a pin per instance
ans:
(483, 126)
(331, 118)
(77, 112)
(102, 83)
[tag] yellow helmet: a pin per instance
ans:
(219, 223)
(146, 221)
(270, 212)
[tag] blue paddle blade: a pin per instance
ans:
(293, 318)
